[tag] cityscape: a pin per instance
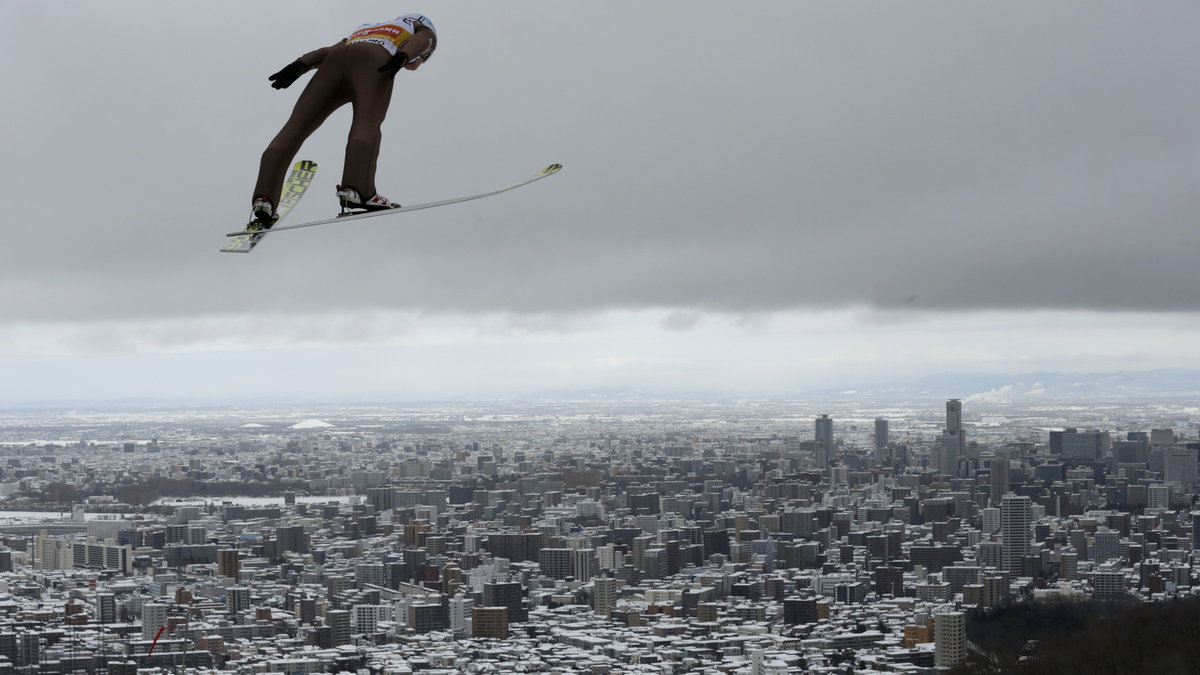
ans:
(640, 535)
(850, 338)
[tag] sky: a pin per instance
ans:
(757, 198)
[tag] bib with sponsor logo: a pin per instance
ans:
(389, 34)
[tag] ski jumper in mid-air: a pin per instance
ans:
(357, 70)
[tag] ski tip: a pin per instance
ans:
(553, 168)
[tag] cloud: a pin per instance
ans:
(998, 395)
(681, 320)
(938, 156)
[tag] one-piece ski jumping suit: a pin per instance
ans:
(349, 73)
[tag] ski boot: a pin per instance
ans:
(262, 213)
(350, 199)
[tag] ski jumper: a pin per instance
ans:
(348, 72)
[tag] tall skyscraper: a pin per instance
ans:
(881, 440)
(1015, 520)
(953, 440)
(1000, 484)
(824, 429)
(954, 415)
(824, 441)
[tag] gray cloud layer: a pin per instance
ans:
(935, 154)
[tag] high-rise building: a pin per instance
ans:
(999, 479)
(427, 616)
(1158, 496)
(1015, 520)
(604, 594)
(1108, 585)
(154, 617)
(229, 563)
(106, 607)
(489, 622)
(293, 538)
(954, 415)
(1179, 466)
(237, 599)
(460, 613)
(990, 519)
(654, 563)
(823, 445)
(1080, 445)
(824, 429)
(506, 594)
(1106, 545)
(1068, 565)
(366, 618)
(881, 440)
(799, 610)
(338, 621)
(555, 562)
(950, 639)
(583, 564)
(952, 444)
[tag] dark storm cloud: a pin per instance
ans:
(939, 156)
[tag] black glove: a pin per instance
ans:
(284, 78)
(394, 64)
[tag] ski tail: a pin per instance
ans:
(297, 184)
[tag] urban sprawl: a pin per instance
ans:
(694, 539)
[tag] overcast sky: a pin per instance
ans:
(757, 197)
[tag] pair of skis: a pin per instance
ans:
(301, 178)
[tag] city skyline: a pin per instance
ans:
(573, 535)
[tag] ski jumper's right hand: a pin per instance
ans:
(284, 78)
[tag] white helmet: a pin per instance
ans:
(410, 20)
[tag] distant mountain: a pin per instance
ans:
(1034, 387)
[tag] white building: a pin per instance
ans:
(154, 617)
(1016, 518)
(950, 639)
(1158, 496)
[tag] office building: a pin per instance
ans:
(823, 444)
(999, 479)
(1179, 467)
(1015, 521)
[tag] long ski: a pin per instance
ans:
(548, 171)
(297, 183)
